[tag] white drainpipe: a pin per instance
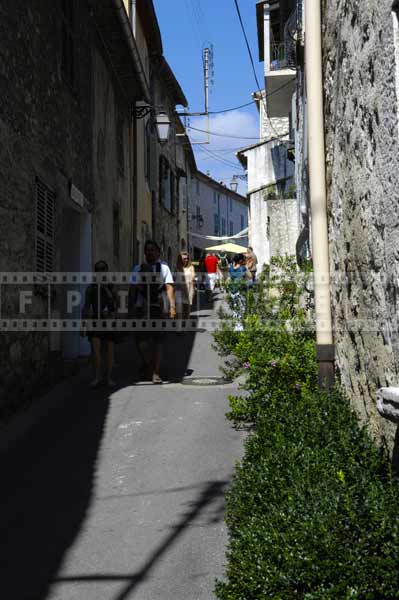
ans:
(318, 195)
(133, 15)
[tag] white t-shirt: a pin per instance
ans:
(165, 273)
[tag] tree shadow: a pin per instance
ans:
(47, 488)
(213, 493)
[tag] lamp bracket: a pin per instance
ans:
(139, 112)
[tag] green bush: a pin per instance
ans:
(312, 512)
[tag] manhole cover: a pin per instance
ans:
(205, 381)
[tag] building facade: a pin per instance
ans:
(66, 168)
(214, 211)
(274, 220)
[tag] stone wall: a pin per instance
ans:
(283, 234)
(45, 131)
(361, 120)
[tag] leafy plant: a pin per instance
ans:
(312, 512)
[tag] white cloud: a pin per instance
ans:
(223, 164)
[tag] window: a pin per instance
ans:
(148, 152)
(67, 40)
(197, 186)
(120, 152)
(165, 183)
(216, 224)
(172, 192)
(214, 198)
(197, 212)
(45, 206)
(116, 235)
(242, 222)
(231, 228)
(231, 204)
(223, 226)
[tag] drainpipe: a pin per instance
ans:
(135, 188)
(318, 195)
(133, 15)
(125, 23)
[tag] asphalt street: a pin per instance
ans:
(118, 496)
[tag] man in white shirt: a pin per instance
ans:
(149, 302)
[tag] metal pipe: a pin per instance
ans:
(125, 23)
(318, 194)
(133, 15)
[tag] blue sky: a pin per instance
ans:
(187, 26)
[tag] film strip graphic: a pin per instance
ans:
(109, 326)
(82, 278)
(74, 286)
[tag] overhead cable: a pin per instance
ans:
(253, 67)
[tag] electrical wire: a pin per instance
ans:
(219, 159)
(218, 112)
(225, 135)
(254, 70)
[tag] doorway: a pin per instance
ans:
(76, 257)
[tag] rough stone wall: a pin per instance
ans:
(283, 234)
(361, 120)
(45, 130)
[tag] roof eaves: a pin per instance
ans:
(148, 17)
(169, 77)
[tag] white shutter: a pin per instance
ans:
(45, 202)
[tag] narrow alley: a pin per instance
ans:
(122, 496)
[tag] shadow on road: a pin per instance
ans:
(47, 486)
(48, 479)
(213, 492)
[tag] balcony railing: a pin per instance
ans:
(283, 54)
(278, 59)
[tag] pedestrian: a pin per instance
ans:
(238, 276)
(100, 304)
(211, 266)
(237, 271)
(184, 287)
(252, 263)
(223, 266)
(152, 301)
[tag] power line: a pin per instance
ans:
(226, 135)
(219, 159)
(217, 112)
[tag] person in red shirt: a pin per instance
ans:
(211, 265)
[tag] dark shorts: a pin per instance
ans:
(153, 331)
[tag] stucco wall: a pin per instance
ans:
(258, 229)
(112, 179)
(361, 113)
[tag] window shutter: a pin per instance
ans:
(45, 203)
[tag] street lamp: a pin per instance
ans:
(162, 122)
(234, 184)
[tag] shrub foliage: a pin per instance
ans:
(313, 510)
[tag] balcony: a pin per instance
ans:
(277, 37)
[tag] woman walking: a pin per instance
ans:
(185, 275)
(101, 303)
